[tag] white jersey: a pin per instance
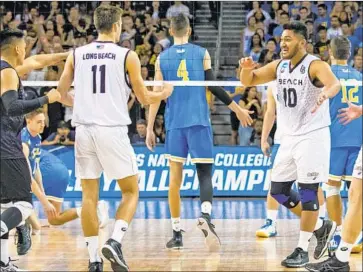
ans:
(297, 97)
(273, 87)
(101, 86)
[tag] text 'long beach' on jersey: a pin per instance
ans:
(101, 86)
(351, 134)
(187, 106)
(11, 126)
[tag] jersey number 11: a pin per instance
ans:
(103, 76)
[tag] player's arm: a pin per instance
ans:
(144, 96)
(9, 95)
(153, 109)
(242, 114)
(321, 71)
(268, 122)
(38, 177)
(37, 174)
(65, 82)
(39, 61)
(250, 76)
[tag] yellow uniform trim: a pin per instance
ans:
(347, 178)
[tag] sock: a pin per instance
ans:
(343, 251)
(322, 211)
(319, 224)
(338, 230)
(119, 230)
(272, 214)
(304, 240)
(5, 249)
(175, 223)
(4, 228)
(92, 246)
(207, 207)
(78, 211)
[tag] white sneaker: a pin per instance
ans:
(102, 213)
(267, 230)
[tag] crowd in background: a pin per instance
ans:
(53, 27)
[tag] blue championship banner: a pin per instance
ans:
(238, 171)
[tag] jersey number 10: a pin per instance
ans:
(290, 97)
(103, 77)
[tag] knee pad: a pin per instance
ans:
(330, 190)
(281, 191)
(5, 206)
(25, 208)
(309, 196)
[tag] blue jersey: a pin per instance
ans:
(34, 147)
(346, 135)
(187, 106)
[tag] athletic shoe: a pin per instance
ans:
(323, 237)
(112, 252)
(331, 264)
(298, 258)
(24, 243)
(267, 230)
(211, 237)
(95, 266)
(176, 242)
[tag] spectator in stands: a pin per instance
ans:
(275, 6)
(323, 17)
(126, 44)
(335, 29)
(283, 19)
(255, 139)
(140, 136)
(269, 53)
(129, 31)
(321, 47)
(358, 63)
(303, 14)
(354, 41)
(159, 129)
(311, 33)
(236, 94)
(177, 8)
(248, 33)
(310, 48)
(161, 35)
(63, 136)
(141, 30)
(255, 48)
(295, 10)
(250, 102)
(263, 35)
(337, 9)
(311, 15)
(256, 6)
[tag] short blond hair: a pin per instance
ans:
(105, 16)
(34, 113)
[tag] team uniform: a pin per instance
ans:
(304, 152)
(100, 112)
(15, 182)
(187, 119)
(34, 148)
(346, 140)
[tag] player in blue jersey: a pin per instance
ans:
(188, 127)
(345, 140)
(50, 173)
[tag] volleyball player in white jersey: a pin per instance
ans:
(101, 72)
(305, 144)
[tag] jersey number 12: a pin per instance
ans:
(103, 76)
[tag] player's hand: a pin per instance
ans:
(150, 140)
(57, 139)
(247, 63)
(53, 96)
(322, 97)
(244, 117)
(266, 149)
(347, 115)
(49, 209)
(167, 90)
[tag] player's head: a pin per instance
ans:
(12, 44)
(141, 127)
(35, 121)
(293, 39)
(258, 126)
(108, 20)
(340, 48)
(180, 26)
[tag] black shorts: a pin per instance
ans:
(234, 121)
(16, 181)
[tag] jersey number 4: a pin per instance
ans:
(103, 77)
(182, 70)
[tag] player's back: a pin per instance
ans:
(11, 126)
(350, 134)
(101, 85)
(187, 106)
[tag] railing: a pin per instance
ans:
(217, 53)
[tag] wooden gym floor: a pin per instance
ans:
(63, 248)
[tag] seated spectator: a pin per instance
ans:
(311, 15)
(256, 6)
(255, 139)
(248, 33)
(129, 31)
(268, 54)
(323, 17)
(295, 10)
(354, 41)
(141, 30)
(63, 136)
(321, 47)
(158, 48)
(140, 136)
(161, 35)
(283, 19)
(335, 29)
(255, 47)
(358, 63)
(159, 129)
(303, 14)
(310, 48)
(311, 33)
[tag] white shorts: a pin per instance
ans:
(357, 171)
(304, 158)
(107, 149)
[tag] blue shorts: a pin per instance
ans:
(342, 160)
(55, 182)
(195, 140)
